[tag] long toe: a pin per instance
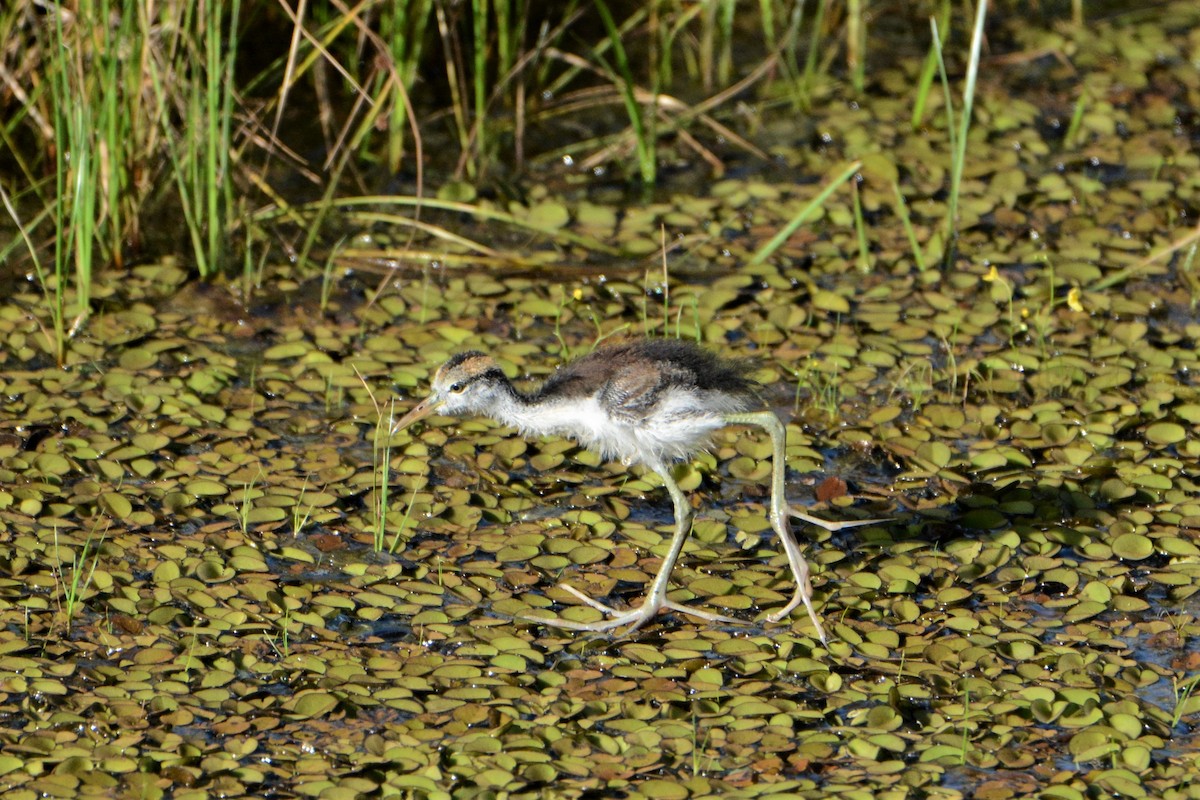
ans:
(798, 599)
(596, 604)
(634, 618)
(708, 615)
(830, 525)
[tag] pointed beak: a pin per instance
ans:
(420, 411)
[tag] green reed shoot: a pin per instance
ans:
(960, 155)
(947, 99)
(930, 68)
(1071, 137)
(405, 522)
(1187, 273)
(281, 643)
(189, 660)
(381, 466)
(856, 44)
(120, 129)
(455, 81)
(766, 15)
(814, 48)
(666, 279)
(381, 455)
(860, 230)
(327, 273)
(1186, 700)
(669, 27)
(699, 746)
(479, 19)
(694, 304)
(643, 122)
(962, 757)
(784, 46)
(564, 350)
(717, 30)
(220, 47)
(959, 138)
(91, 96)
(909, 231)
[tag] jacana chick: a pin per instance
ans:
(644, 401)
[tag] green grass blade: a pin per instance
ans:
(811, 208)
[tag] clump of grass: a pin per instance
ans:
(77, 104)
(281, 642)
(824, 390)
(109, 88)
(73, 587)
(246, 506)
(199, 148)
(402, 28)
(381, 468)
(125, 87)
(300, 512)
(916, 381)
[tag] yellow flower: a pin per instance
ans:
(1073, 301)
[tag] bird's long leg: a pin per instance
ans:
(656, 598)
(779, 515)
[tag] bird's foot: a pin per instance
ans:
(797, 600)
(802, 596)
(634, 617)
(803, 593)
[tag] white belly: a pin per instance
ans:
(675, 429)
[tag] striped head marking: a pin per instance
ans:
(469, 383)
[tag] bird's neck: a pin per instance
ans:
(533, 413)
(510, 406)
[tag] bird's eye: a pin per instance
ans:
(457, 388)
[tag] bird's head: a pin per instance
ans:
(469, 383)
